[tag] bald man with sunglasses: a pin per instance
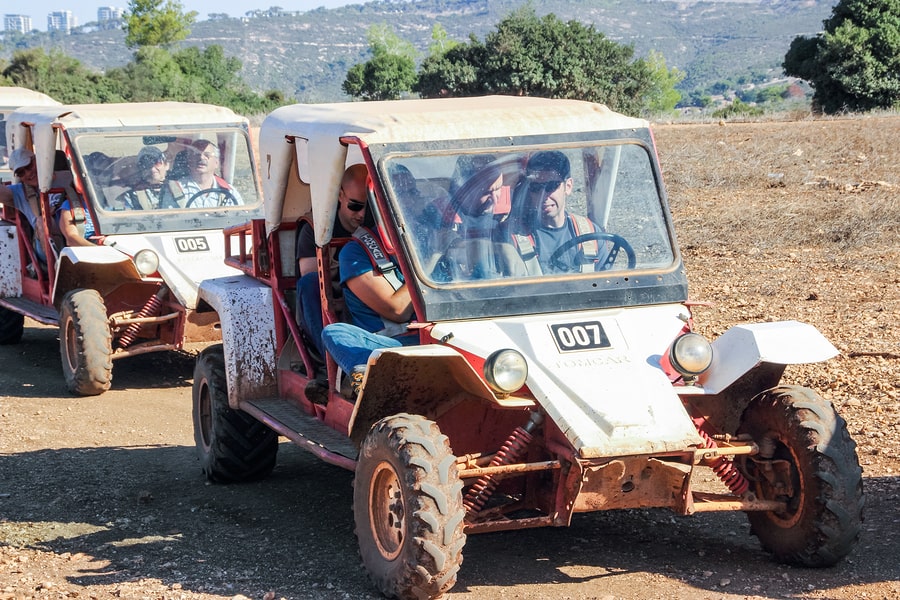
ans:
(351, 213)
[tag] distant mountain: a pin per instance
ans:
(306, 55)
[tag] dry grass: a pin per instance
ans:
(830, 183)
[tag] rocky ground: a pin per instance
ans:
(103, 497)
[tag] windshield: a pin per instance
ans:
(537, 213)
(188, 171)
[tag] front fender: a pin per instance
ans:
(744, 347)
(246, 312)
(101, 268)
(424, 380)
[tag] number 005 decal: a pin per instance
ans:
(191, 244)
(579, 336)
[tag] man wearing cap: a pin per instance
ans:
(547, 226)
(24, 196)
(152, 190)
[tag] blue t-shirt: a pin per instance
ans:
(88, 223)
(354, 261)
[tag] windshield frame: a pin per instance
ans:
(82, 141)
(507, 296)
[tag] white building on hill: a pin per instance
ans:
(20, 23)
(61, 20)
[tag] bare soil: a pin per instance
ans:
(103, 497)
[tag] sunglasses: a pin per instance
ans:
(355, 205)
(544, 186)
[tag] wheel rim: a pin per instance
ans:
(71, 344)
(794, 511)
(387, 513)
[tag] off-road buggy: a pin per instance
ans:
(135, 289)
(12, 98)
(537, 392)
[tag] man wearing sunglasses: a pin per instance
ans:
(351, 213)
(549, 181)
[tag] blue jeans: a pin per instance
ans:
(311, 308)
(350, 345)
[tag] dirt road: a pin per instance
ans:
(103, 498)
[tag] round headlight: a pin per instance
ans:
(147, 262)
(505, 371)
(691, 354)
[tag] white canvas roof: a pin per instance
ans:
(323, 161)
(44, 121)
(14, 97)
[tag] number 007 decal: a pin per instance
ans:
(191, 244)
(570, 337)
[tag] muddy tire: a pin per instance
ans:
(85, 343)
(407, 507)
(825, 497)
(12, 325)
(232, 445)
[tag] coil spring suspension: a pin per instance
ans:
(513, 448)
(721, 466)
(150, 308)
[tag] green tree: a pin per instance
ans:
(59, 76)
(156, 23)
(440, 41)
(383, 40)
(454, 72)
(662, 97)
(855, 63)
(390, 72)
(152, 76)
(189, 75)
(531, 56)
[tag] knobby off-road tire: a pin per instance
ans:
(407, 507)
(85, 343)
(232, 445)
(825, 511)
(12, 325)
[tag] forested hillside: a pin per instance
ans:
(306, 56)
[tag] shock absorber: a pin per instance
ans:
(721, 466)
(511, 450)
(150, 308)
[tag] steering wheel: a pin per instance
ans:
(618, 243)
(225, 199)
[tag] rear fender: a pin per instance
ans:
(744, 347)
(100, 268)
(246, 312)
(424, 380)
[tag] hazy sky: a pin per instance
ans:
(86, 10)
